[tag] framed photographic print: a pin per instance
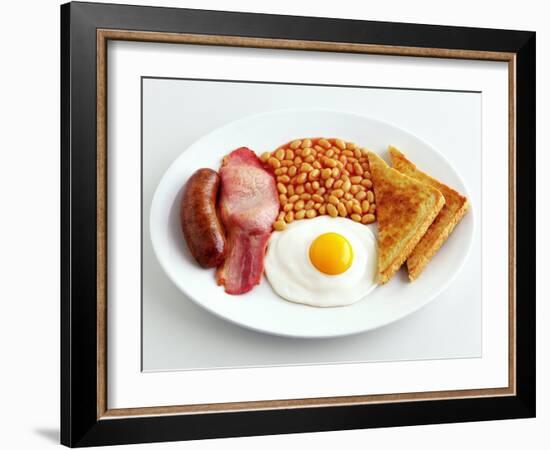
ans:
(278, 224)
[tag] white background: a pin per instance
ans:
(29, 243)
(179, 335)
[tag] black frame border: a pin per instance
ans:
(79, 423)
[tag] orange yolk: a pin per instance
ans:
(331, 253)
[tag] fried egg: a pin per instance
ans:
(323, 261)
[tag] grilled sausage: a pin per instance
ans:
(201, 227)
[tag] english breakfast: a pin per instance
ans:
(305, 214)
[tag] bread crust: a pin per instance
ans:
(456, 206)
(405, 210)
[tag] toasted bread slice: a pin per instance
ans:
(455, 207)
(405, 208)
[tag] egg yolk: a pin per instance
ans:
(331, 253)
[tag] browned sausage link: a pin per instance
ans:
(201, 227)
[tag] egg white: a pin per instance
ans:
(293, 276)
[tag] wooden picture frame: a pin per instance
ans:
(85, 417)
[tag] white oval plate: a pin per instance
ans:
(261, 309)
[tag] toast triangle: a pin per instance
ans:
(405, 208)
(456, 206)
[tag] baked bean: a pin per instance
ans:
(294, 198)
(333, 199)
(324, 143)
(301, 179)
(346, 186)
(274, 162)
(367, 183)
(316, 198)
(328, 162)
(368, 218)
(313, 175)
(340, 144)
(311, 213)
(306, 143)
(331, 210)
(283, 179)
(342, 210)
